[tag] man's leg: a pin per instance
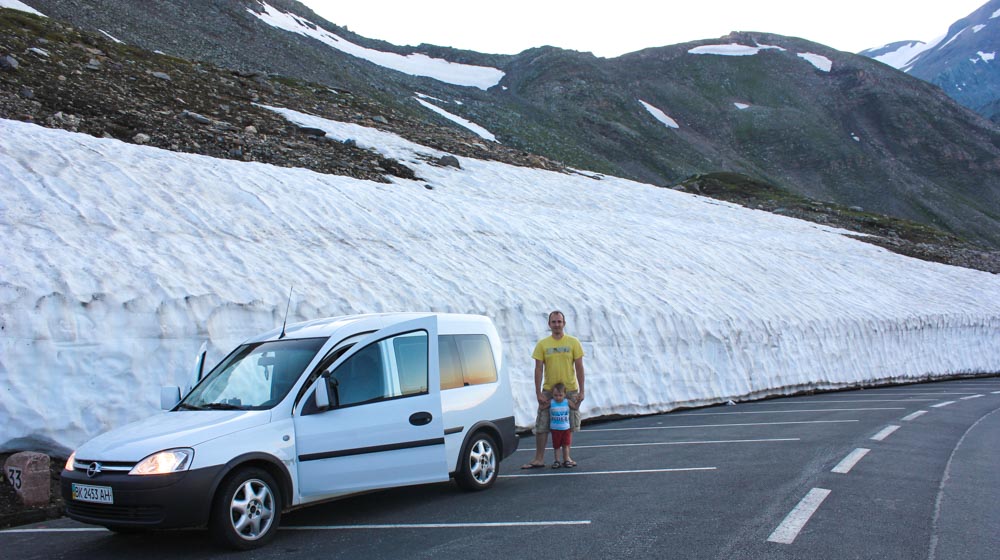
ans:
(541, 438)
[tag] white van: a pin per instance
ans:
(319, 410)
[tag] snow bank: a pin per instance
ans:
(120, 260)
(416, 64)
(465, 123)
(819, 61)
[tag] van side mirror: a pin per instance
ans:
(327, 386)
(169, 397)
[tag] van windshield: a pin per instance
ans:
(254, 377)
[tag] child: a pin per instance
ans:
(562, 435)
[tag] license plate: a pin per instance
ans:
(95, 494)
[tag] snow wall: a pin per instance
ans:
(119, 261)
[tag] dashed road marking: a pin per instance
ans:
(847, 463)
(588, 473)
(970, 397)
(915, 415)
(886, 432)
(940, 404)
(798, 517)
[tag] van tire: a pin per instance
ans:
(246, 510)
(480, 463)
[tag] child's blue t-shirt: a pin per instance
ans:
(559, 415)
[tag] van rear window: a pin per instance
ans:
(466, 359)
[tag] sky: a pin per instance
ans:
(610, 29)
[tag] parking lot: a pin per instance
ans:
(894, 472)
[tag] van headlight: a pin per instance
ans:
(165, 462)
(70, 461)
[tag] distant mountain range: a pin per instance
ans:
(962, 62)
(819, 122)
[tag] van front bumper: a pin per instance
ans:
(151, 501)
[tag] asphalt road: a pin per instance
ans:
(906, 472)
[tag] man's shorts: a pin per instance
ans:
(542, 420)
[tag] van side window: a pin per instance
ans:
(394, 367)
(451, 364)
(466, 359)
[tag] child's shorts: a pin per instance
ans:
(561, 438)
(542, 420)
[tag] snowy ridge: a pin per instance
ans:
(119, 260)
(415, 64)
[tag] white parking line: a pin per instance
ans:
(915, 415)
(433, 525)
(771, 440)
(886, 432)
(847, 463)
(940, 404)
(56, 530)
(589, 430)
(796, 401)
(581, 473)
(798, 517)
(789, 411)
(970, 397)
(995, 392)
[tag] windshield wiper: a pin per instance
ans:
(186, 406)
(221, 406)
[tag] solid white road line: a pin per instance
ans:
(847, 463)
(788, 411)
(589, 430)
(940, 404)
(433, 525)
(798, 517)
(571, 472)
(683, 443)
(970, 397)
(915, 415)
(886, 432)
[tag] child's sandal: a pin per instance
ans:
(556, 465)
(569, 464)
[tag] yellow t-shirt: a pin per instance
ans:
(558, 356)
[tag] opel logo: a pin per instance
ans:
(93, 470)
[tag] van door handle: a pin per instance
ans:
(421, 418)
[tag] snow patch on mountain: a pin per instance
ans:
(660, 115)
(415, 64)
(465, 123)
(15, 5)
(819, 61)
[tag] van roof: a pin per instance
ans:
(351, 324)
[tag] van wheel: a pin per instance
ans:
(479, 463)
(246, 510)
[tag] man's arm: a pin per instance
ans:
(578, 365)
(538, 383)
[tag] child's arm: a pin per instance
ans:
(573, 404)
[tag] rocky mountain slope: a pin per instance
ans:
(59, 76)
(962, 62)
(817, 122)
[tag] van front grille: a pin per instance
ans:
(110, 513)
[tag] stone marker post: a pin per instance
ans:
(28, 473)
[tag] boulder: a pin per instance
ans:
(28, 473)
(449, 161)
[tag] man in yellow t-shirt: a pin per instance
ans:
(558, 359)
